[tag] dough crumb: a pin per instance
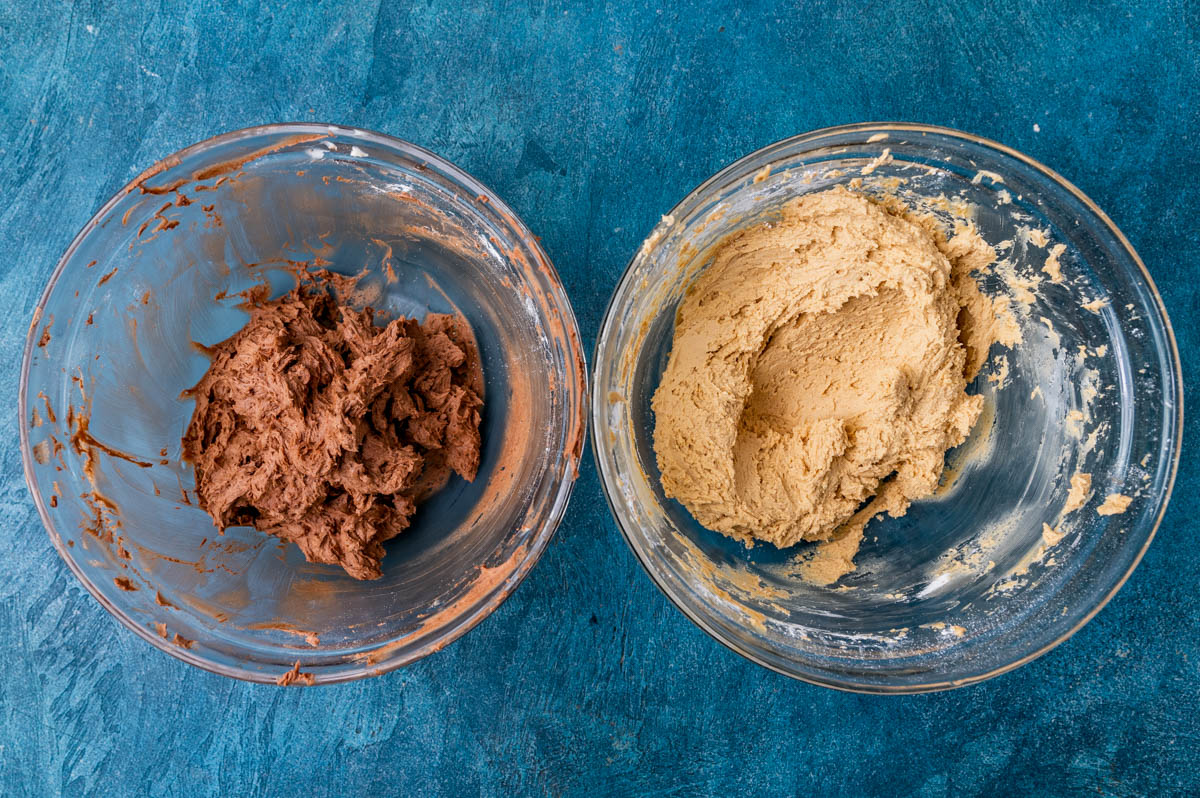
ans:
(1077, 496)
(985, 174)
(1114, 504)
(1024, 289)
(294, 675)
(1052, 267)
(884, 157)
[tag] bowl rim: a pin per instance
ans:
(811, 137)
(565, 469)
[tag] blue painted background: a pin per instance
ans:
(591, 120)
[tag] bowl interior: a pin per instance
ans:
(965, 584)
(158, 269)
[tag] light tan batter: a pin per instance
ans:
(820, 363)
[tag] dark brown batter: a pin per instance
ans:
(322, 428)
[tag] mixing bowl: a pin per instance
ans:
(969, 583)
(158, 268)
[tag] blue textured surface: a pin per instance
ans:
(591, 121)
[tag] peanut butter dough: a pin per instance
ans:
(322, 428)
(818, 370)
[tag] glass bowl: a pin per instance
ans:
(967, 584)
(157, 269)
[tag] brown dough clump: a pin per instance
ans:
(317, 426)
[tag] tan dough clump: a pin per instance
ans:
(819, 368)
(1114, 504)
(1081, 488)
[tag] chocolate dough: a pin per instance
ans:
(317, 426)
